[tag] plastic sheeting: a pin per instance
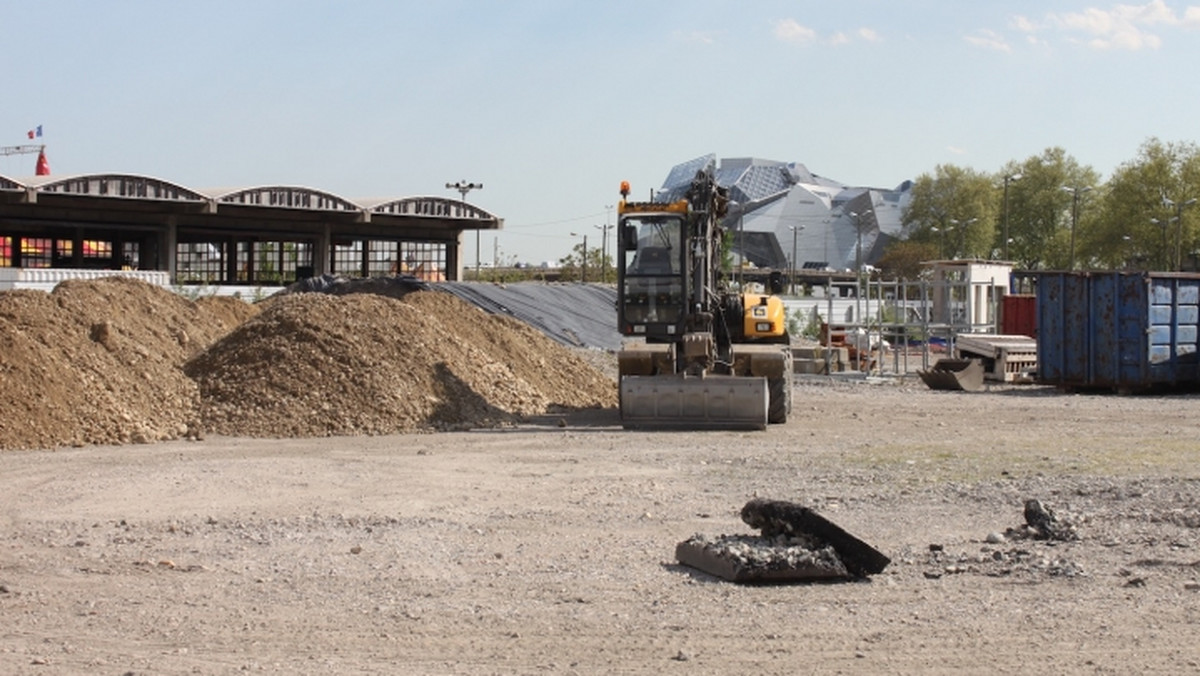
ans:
(576, 315)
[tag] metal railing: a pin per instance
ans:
(896, 327)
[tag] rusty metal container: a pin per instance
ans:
(1018, 315)
(1121, 330)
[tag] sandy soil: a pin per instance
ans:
(549, 548)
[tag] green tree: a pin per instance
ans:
(1144, 221)
(598, 266)
(953, 209)
(1040, 210)
(904, 259)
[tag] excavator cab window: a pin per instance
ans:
(656, 246)
(629, 236)
(653, 292)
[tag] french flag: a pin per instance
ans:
(36, 133)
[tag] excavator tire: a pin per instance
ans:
(780, 392)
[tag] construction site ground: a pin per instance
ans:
(538, 537)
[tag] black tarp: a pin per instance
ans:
(577, 315)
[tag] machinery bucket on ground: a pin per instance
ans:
(694, 402)
(954, 374)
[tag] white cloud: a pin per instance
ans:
(955, 150)
(1124, 27)
(869, 34)
(789, 30)
(1025, 24)
(1129, 27)
(988, 39)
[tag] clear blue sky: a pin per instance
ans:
(551, 103)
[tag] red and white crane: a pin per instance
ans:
(43, 165)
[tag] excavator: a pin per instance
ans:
(700, 353)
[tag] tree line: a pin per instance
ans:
(1049, 212)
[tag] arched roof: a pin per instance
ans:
(115, 185)
(442, 207)
(131, 186)
(286, 196)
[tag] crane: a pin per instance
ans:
(43, 165)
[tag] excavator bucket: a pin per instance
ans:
(694, 402)
(954, 374)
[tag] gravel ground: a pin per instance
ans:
(548, 547)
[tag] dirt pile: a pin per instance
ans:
(98, 362)
(119, 361)
(318, 365)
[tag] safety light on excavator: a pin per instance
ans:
(624, 188)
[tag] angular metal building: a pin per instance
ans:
(786, 217)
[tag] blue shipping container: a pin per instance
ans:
(1122, 330)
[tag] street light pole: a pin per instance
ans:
(583, 259)
(1007, 179)
(604, 245)
(792, 274)
(463, 188)
(1075, 193)
(1164, 225)
(1178, 262)
(858, 260)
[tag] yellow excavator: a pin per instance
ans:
(700, 354)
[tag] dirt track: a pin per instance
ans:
(549, 549)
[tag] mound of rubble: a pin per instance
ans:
(318, 365)
(98, 362)
(116, 360)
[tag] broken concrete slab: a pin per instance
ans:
(796, 544)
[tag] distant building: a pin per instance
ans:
(65, 227)
(780, 207)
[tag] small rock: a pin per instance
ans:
(995, 537)
(681, 657)
(356, 550)
(1190, 586)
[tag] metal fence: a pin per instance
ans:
(897, 326)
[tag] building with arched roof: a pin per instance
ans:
(253, 236)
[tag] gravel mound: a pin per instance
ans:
(116, 361)
(98, 362)
(321, 365)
